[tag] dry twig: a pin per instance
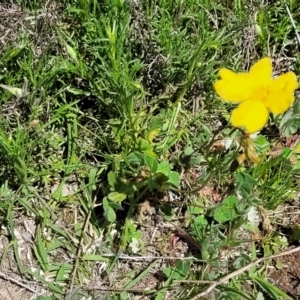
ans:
(227, 277)
(79, 249)
(152, 257)
(4, 276)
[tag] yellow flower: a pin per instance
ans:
(257, 93)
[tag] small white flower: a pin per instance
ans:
(134, 245)
(253, 216)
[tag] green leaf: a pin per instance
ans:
(115, 206)
(160, 296)
(129, 232)
(112, 179)
(156, 123)
(78, 229)
(60, 274)
(296, 233)
(151, 162)
(144, 146)
(109, 213)
(178, 273)
(135, 158)
(163, 172)
(182, 267)
(164, 168)
(245, 183)
(194, 210)
(92, 180)
(124, 296)
(279, 264)
(55, 244)
(13, 52)
(132, 282)
(42, 252)
(258, 30)
(116, 126)
(227, 210)
(152, 184)
(94, 257)
(234, 293)
(290, 122)
(296, 108)
(261, 143)
(174, 179)
(200, 221)
(77, 92)
(186, 157)
(116, 196)
(167, 211)
(72, 53)
(274, 292)
(188, 150)
(260, 296)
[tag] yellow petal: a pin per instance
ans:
(287, 82)
(261, 72)
(227, 74)
(250, 114)
(233, 87)
(278, 100)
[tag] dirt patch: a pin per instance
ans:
(288, 278)
(286, 219)
(10, 291)
(12, 285)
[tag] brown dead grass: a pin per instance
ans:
(10, 276)
(287, 278)
(10, 291)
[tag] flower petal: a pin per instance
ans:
(251, 114)
(278, 100)
(227, 74)
(287, 82)
(233, 87)
(261, 72)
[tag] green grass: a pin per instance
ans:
(109, 134)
